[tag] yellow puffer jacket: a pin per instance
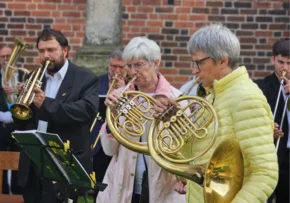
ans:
(244, 115)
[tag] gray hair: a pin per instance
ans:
(142, 48)
(217, 41)
(116, 54)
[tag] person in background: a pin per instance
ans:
(242, 110)
(6, 122)
(270, 86)
(116, 72)
(66, 105)
(133, 177)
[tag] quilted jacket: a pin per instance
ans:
(244, 115)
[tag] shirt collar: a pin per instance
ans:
(61, 73)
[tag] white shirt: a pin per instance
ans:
(52, 86)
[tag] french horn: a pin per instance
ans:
(133, 115)
(175, 141)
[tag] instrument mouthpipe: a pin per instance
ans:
(187, 90)
(129, 84)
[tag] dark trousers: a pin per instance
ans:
(40, 190)
(135, 198)
(7, 143)
(282, 190)
(100, 163)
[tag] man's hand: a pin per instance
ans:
(180, 187)
(277, 132)
(39, 97)
(8, 90)
(286, 85)
(119, 82)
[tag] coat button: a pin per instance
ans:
(132, 174)
(134, 157)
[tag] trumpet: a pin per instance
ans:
(21, 108)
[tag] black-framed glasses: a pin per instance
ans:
(198, 62)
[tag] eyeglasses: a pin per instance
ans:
(198, 62)
(136, 66)
(117, 66)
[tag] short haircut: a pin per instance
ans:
(49, 34)
(142, 48)
(217, 41)
(281, 47)
(116, 54)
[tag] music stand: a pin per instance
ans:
(56, 161)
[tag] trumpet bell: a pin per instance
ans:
(224, 173)
(21, 111)
(130, 119)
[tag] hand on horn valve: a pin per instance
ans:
(162, 104)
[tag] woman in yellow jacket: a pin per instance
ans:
(243, 113)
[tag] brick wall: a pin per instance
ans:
(257, 23)
(26, 18)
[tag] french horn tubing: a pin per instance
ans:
(133, 115)
(127, 120)
(175, 141)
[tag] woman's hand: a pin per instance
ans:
(180, 187)
(161, 104)
(112, 98)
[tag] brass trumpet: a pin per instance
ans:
(21, 108)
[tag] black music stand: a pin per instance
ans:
(56, 161)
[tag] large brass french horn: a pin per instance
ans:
(21, 109)
(18, 48)
(133, 115)
(175, 142)
(128, 119)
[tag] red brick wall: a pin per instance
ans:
(26, 18)
(258, 23)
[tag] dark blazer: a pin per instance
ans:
(69, 115)
(270, 86)
(103, 89)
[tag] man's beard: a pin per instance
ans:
(55, 66)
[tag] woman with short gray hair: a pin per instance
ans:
(125, 172)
